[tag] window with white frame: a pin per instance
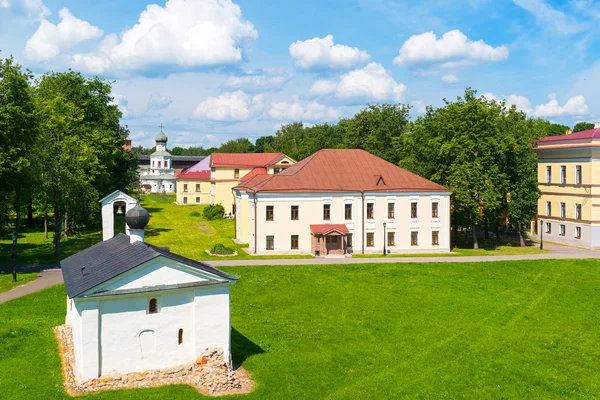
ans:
(563, 230)
(563, 174)
(577, 211)
(578, 177)
(563, 210)
(548, 208)
(548, 227)
(548, 174)
(577, 232)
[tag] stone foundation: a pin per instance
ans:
(211, 373)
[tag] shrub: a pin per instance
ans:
(195, 214)
(220, 248)
(213, 211)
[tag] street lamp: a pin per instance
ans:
(384, 225)
(541, 235)
(14, 257)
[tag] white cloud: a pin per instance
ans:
(322, 53)
(230, 106)
(419, 106)
(158, 101)
(26, 8)
(451, 50)
(574, 106)
(450, 78)
(295, 111)
(554, 20)
(184, 33)
(121, 102)
(256, 81)
(51, 40)
(371, 83)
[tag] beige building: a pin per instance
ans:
(193, 184)
(227, 170)
(569, 179)
(340, 202)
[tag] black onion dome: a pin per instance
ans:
(137, 217)
(161, 137)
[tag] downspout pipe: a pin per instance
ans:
(255, 222)
(234, 214)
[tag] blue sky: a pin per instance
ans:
(212, 70)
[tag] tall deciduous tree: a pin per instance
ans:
(18, 132)
(583, 126)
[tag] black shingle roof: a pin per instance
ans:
(110, 258)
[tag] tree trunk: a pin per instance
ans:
(475, 241)
(66, 232)
(57, 230)
(486, 229)
(45, 224)
(17, 225)
(30, 213)
(521, 239)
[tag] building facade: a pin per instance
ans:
(569, 179)
(341, 202)
(135, 307)
(159, 176)
(193, 184)
(229, 169)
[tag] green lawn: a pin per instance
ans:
(522, 329)
(6, 282)
(186, 232)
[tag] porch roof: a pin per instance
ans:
(326, 229)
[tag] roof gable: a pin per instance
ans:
(108, 259)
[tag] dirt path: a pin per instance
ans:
(47, 278)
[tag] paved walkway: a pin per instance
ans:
(47, 278)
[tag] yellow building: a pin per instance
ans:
(227, 170)
(569, 179)
(193, 184)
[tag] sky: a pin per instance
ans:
(214, 70)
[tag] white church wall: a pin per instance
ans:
(134, 340)
(153, 273)
(85, 339)
(212, 318)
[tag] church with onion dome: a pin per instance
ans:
(159, 175)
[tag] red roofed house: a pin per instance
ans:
(227, 170)
(338, 201)
(569, 179)
(193, 184)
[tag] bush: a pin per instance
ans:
(195, 214)
(221, 249)
(213, 211)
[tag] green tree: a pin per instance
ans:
(18, 133)
(80, 147)
(583, 126)
(265, 144)
(240, 145)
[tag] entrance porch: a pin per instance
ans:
(329, 239)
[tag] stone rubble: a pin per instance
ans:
(211, 374)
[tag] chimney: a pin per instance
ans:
(137, 219)
(597, 125)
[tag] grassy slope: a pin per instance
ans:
(523, 329)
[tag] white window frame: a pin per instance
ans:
(563, 210)
(578, 175)
(563, 174)
(548, 174)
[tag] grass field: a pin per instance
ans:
(6, 282)
(186, 232)
(523, 329)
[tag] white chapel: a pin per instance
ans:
(136, 307)
(160, 174)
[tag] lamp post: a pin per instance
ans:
(14, 257)
(541, 235)
(384, 225)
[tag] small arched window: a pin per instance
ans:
(152, 306)
(180, 336)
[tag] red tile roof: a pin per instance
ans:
(589, 134)
(254, 172)
(342, 170)
(194, 175)
(245, 159)
(324, 229)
